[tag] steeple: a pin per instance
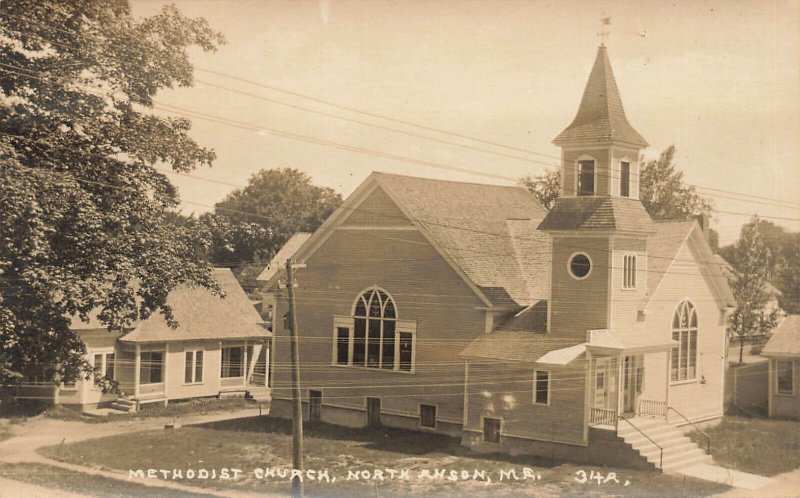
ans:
(600, 117)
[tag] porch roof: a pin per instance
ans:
(509, 345)
(203, 316)
(619, 342)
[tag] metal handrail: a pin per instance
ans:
(701, 431)
(660, 449)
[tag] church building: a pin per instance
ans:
(590, 332)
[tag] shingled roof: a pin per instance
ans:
(601, 116)
(203, 316)
(785, 341)
(489, 231)
(598, 213)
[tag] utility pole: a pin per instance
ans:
(297, 407)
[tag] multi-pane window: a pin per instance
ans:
(104, 366)
(427, 415)
(586, 177)
(684, 330)
(232, 362)
(541, 387)
(151, 367)
(376, 339)
(784, 377)
(625, 179)
(193, 372)
(629, 271)
(491, 430)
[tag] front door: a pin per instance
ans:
(373, 412)
(632, 378)
(314, 406)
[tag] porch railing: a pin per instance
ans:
(701, 431)
(660, 448)
(602, 416)
(231, 381)
(652, 408)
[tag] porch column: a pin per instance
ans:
(245, 368)
(266, 364)
(667, 375)
(136, 370)
(620, 384)
(165, 370)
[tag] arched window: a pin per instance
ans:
(375, 337)
(684, 330)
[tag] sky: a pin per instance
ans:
(718, 79)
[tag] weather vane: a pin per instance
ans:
(604, 33)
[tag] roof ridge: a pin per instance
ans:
(423, 178)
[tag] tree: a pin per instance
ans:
(752, 316)
(281, 202)
(85, 212)
(545, 187)
(664, 194)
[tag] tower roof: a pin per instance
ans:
(600, 116)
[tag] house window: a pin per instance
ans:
(491, 430)
(629, 271)
(378, 339)
(103, 365)
(232, 362)
(151, 368)
(586, 177)
(580, 265)
(427, 416)
(541, 387)
(625, 179)
(342, 345)
(193, 373)
(785, 377)
(684, 330)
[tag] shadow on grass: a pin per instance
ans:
(388, 439)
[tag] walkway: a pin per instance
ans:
(29, 436)
(734, 478)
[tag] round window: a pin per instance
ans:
(580, 265)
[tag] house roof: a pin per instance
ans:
(785, 340)
(489, 232)
(201, 315)
(600, 115)
(598, 213)
(287, 251)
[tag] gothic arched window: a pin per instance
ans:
(374, 337)
(684, 330)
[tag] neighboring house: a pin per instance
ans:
(219, 348)
(275, 265)
(469, 310)
(783, 351)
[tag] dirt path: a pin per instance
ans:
(27, 437)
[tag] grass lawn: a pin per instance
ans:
(259, 442)
(53, 477)
(196, 406)
(760, 446)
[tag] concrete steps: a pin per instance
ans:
(123, 405)
(678, 450)
(259, 393)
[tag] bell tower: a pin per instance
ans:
(599, 226)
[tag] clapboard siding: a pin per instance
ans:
(570, 160)
(425, 289)
(702, 397)
(376, 209)
(784, 405)
(505, 391)
(625, 303)
(579, 305)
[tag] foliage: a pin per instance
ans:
(783, 265)
(84, 225)
(752, 315)
(545, 187)
(280, 202)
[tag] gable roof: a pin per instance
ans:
(287, 251)
(785, 340)
(489, 232)
(600, 213)
(663, 247)
(600, 115)
(202, 316)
